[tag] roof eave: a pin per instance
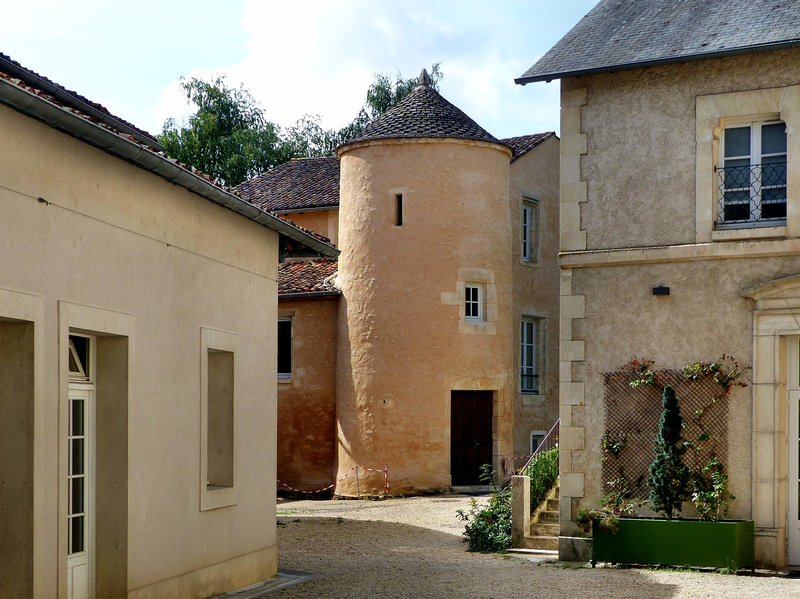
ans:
(308, 295)
(59, 118)
(795, 43)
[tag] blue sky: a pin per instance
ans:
(302, 57)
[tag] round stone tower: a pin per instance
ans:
(425, 379)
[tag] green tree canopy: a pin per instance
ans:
(308, 138)
(228, 137)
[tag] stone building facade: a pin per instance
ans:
(679, 170)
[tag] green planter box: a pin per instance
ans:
(727, 544)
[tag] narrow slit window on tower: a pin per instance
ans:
(398, 209)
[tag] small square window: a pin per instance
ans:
(473, 302)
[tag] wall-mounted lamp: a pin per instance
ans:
(660, 290)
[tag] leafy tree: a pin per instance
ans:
(669, 476)
(228, 137)
(308, 138)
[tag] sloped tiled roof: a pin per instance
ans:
(306, 276)
(423, 113)
(623, 34)
(301, 183)
(38, 97)
(525, 143)
(74, 100)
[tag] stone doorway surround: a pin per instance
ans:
(776, 317)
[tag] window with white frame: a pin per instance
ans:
(473, 302)
(531, 354)
(752, 175)
(530, 230)
(284, 348)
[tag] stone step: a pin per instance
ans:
(544, 530)
(551, 505)
(544, 543)
(547, 517)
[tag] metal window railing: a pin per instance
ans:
(752, 194)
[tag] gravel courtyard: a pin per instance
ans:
(413, 548)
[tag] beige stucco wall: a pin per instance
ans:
(640, 127)
(91, 241)
(307, 401)
(324, 222)
(632, 148)
(403, 342)
(535, 175)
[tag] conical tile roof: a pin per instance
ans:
(423, 113)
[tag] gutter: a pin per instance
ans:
(59, 118)
(626, 66)
(308, 295)
(38, 82)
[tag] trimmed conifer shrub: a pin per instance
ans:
(669, 476)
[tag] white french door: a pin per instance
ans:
(793, 432)
(80, 472)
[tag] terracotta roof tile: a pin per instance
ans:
(423, 113)
(33, 79)
(306, 276)
(525, 143)
(300, 183)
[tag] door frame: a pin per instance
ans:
(88, 391)
(492, 397)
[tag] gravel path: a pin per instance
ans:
(402, 548)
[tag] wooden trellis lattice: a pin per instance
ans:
(632, 415)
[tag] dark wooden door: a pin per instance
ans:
(470, 435)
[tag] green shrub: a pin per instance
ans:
(669, 476)
(488, 528)
(543, 473)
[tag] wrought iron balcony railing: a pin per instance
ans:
(752, 194)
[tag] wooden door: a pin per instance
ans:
(470, 435)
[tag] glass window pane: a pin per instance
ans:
(284, 346)
(77, 527)
(77, 456)
(773, 171)
(76, 423)
(773, 138)
(76, 495)
(737, 173)
(737, 141)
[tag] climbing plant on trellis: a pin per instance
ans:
(633, 408)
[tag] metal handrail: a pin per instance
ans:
(549, 442)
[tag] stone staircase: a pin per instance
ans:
(537, 531)
(544, 524)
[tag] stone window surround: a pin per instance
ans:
(535, 398)
(217, 497)
(456, 298)
(712, 113)
(533, 259)
(776, 316)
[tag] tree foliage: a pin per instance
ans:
(228, 137)
(669, 476)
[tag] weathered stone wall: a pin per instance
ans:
(403, 342)
(307, 401)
